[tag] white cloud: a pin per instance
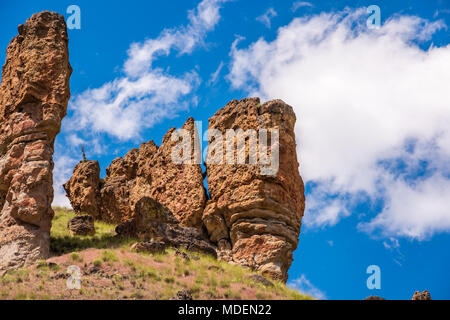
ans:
(414, 211)
(299, 4)
(303, 285)
(267, 17)
(146, 95)
(214, 76)
(142, 97)
(391, 243)
(360, 95)
(63, 170)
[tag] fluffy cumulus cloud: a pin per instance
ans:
(141, 97)
(373, 111)
(122, 107)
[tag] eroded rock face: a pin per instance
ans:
(81, 226)
(155, 222)
(425, 295)
(255, 218)
(34, 93)
(83, 188)
(179, 187)
(145, 172)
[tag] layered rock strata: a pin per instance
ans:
(256, 209)
(34, 93)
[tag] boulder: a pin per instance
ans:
(256, 208)
(425, 295)
(153, 221)
(81, 226)
(34, 93)
(149, 247)
(145, 172)
(261, 280)
(83, 188)
(374, 298)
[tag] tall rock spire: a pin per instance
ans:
(255, 214)
(34, 93)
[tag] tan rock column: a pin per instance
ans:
(253, 216)
(34, 93)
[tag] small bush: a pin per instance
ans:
(75, 257)
(97, 262)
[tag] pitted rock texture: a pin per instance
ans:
(154, 222)
(179, 187)
(81, 226)
(255, 218)
(34, 93)
(425, 295)
(145, 172)
(149, 247)
(83, 188)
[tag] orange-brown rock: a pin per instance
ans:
(34, 93)
(425, 295)
(155, 222)
(255, 215)
(145, 172)
(179, 187)
(83, 188)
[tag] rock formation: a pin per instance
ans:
(257, 195)
(154, 222)
(425, 295)
(254, 215)
(34, 93)
(83, 188)
(81, 226)
(145, 172)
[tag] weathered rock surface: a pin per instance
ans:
(255, 218)
(425, 295)
(81, 226)
(34, 93)
(145, 172)
(179, 187)
(149, 247)
(374, 298)
(83, 188)
(154, 222)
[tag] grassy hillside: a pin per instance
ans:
(111, 271)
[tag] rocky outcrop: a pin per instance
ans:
(149, 247)
(81, 226)
(34, 93)
(257, 195)
(145, 172)
(255, 210)
(425, 295)
(83, 188)
(154, 222)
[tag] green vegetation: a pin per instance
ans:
(61, 242)
(123, 274)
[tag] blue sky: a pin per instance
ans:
(372, 104)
